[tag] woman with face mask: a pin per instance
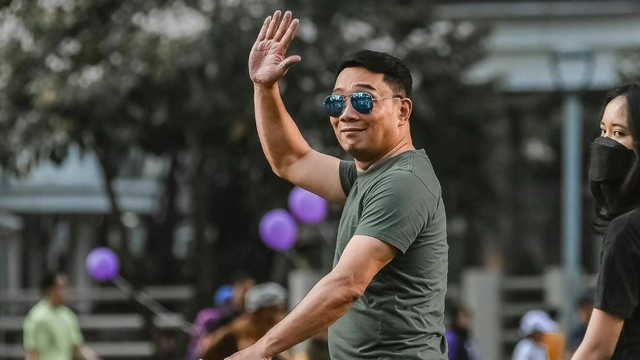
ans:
(614, 176)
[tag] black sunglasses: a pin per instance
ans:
(361, 101)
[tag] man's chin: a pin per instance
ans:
(357, 153)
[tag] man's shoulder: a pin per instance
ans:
(67, 312)
(39, 313)
(39, 309)
(415, 169)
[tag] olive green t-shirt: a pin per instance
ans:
(53, 332)
(401, 313)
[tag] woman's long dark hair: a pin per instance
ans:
(618, 196)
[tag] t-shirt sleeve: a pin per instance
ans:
(35, 336)
(396, 209)
(348, 175)
(619, 278)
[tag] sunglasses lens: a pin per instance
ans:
(362, 102)
(334, 104)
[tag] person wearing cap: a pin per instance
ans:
(265, 306)
(209, 319)
(533, 327)
(229, 301)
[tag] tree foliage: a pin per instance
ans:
(169, 78)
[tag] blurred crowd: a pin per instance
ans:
(540, 337)
(242, 313)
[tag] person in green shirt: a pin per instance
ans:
(51, 330)
(384, 298)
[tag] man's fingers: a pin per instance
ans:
(263, 31)
(291, 32)
(284, 25)
(273, 26)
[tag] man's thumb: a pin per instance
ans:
(284, 65)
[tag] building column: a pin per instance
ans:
(481, 292)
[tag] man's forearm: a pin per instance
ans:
(329, 300)
(281, 139)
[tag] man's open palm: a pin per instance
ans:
(267, 60)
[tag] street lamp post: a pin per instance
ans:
(571, 72)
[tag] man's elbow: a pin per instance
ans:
(280, 171)
(284, 168)
(280, 165)
(352, 295)
(349, 289)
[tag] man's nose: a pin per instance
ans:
(349, 113)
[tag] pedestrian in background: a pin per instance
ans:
(534, 325)
(461, 345)
(265, 305)
(51, 329)
(584, 308)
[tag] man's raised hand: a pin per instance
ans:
(267, 60)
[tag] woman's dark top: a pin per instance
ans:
(618, 288)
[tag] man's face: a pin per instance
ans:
(59, 294)
(367, 137)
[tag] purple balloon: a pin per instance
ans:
(278, 230)
(307, 207)
(103, 264)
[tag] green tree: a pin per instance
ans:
(161, 77)
(169, 78)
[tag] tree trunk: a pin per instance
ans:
(166, 268)
(204, 246)
(109, 176)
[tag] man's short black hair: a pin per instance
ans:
(396, 73)
(48, 281)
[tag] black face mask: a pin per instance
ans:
(609, 160)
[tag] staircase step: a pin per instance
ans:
(105, 322)
(119, 349)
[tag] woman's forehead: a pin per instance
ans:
(616, 111)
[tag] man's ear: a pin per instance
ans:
(405, 111)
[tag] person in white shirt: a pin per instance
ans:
(533, 325)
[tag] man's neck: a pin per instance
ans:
(52, 303)
(395, 151)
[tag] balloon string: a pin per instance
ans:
(148, 302)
